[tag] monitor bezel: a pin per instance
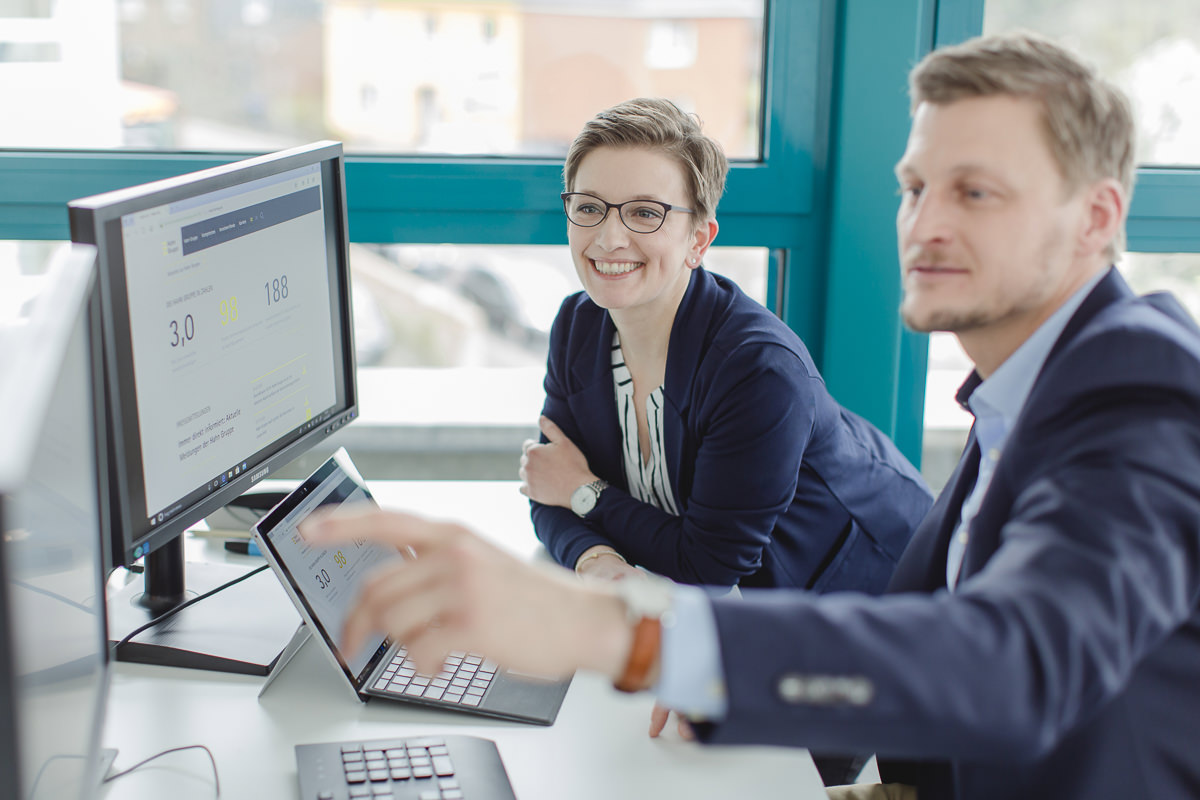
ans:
(96, 220)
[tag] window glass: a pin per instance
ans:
(1151, 50)
(481, 305)
(1178, 273)
(946, 422)
(451, 343)
(497, 78)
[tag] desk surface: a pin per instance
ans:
(598, 748)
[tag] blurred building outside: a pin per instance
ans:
(515, 79)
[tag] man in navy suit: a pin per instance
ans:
(1041, 637)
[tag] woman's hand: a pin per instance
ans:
(550, 473)
(601, 562)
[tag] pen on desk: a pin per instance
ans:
(246, 547)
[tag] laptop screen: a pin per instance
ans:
(326, 580)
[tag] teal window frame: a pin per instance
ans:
(783, 201)
(821, 197)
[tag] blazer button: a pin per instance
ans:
(825, 690)
(792, 689)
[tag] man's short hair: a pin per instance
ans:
(659, 125)
(1087, 121)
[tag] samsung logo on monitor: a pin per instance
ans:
(259, 474)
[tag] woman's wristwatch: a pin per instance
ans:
(584, 499)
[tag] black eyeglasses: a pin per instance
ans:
(640, 216)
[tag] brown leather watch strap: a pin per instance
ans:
(643, 653)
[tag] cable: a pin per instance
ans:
(145, 761)
(182, 606)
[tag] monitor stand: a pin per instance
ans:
(241, 629)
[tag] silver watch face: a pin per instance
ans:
(583, 499)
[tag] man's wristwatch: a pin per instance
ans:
(647, 604)
(584, 499)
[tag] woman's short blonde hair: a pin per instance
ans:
(658, 125)
(1087, 121)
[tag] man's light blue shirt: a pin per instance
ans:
(692, 680)
(996, 404)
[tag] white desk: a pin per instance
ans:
(598, 748)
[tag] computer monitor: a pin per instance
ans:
(228, 351)
(53, 650)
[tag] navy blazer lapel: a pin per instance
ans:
(1111, 288)
(922, 567)
(985, 534)
(690, 333)
(593, 403)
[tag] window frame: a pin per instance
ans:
(821, 197)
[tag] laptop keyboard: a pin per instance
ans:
(418, 768)
(463, 680)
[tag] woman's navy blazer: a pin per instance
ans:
(776, 484)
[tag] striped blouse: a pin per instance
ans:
(648, 479)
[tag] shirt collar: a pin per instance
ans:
(1001, 397)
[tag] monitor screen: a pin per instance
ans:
(228, 332)
(53, 650)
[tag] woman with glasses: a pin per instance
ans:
(686, 429)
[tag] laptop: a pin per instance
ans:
(324, 584)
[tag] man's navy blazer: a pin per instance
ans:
(776, 484)
(1066, 663)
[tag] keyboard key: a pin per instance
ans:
(360, 791)
(452, 794)
(377, 775)
(356, 777)
(448, 783)
(439, 750)
(355, 756)
(442, 766)
(401, 773)
(430, 794)
(433, 693)
(422, 772)
(471, 700)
